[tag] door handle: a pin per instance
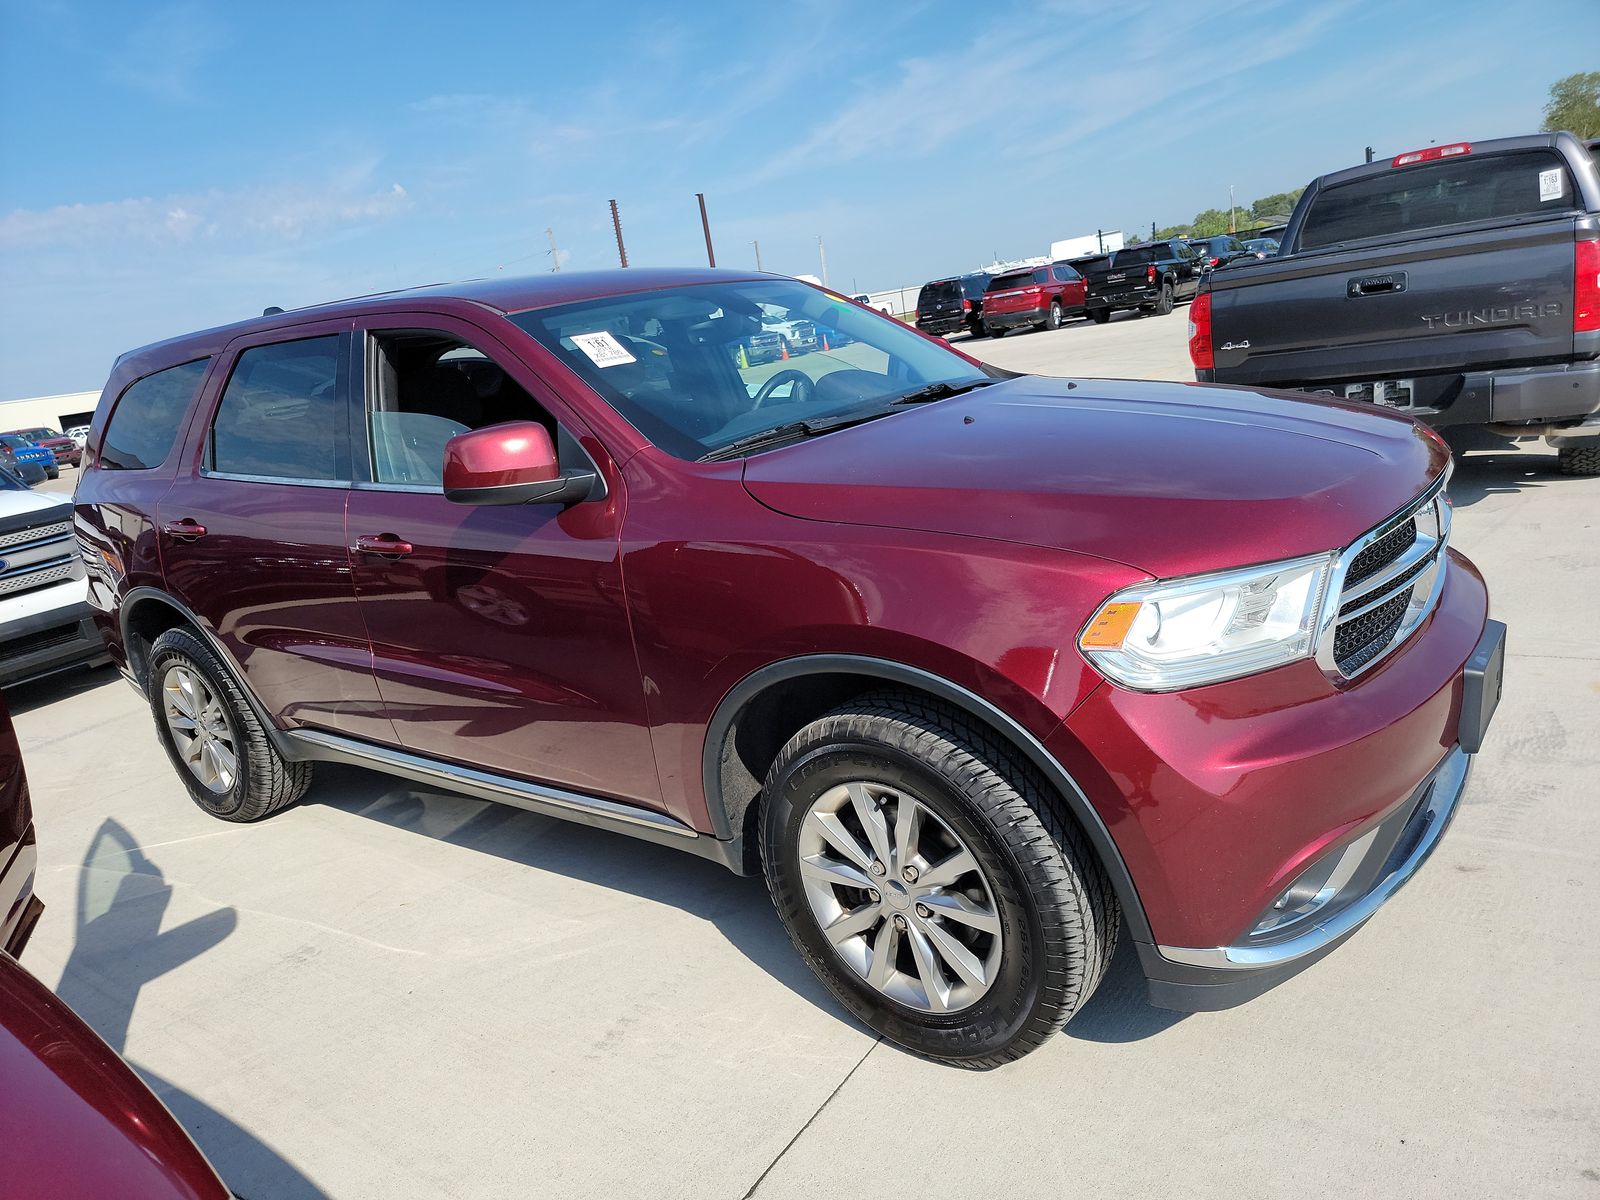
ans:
(185, 530)
(1376, 285)
(384, 545)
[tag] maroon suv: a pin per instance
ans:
(973, 666)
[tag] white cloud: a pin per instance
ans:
(282, 212)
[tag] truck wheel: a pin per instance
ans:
(1164, 304)
(1053, 320)
(1579, 460)
(212, 735)
(928, 878)
(1100, 315)
(995, 331)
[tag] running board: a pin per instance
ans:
(613, 815)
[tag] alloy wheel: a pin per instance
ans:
(200, 729)
(900, 897)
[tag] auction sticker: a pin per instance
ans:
(603, 349)
(1552, 185)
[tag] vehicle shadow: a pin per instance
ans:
(119, 947)
(737, 907)
(1483, 473)
(75, 681)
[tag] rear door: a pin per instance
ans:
(1446, 266)
(252, 533)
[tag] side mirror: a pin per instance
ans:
(514, 463)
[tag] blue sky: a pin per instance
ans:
(165, 167)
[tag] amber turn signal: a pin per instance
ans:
(1110, 626)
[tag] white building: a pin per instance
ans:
(54, 412)
(1102, 242)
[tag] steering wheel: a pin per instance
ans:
(804, 388)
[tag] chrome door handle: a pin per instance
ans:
(384, 545)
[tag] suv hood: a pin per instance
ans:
(21, 504)
(1169, 478)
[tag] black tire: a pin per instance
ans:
(1053, 320)
(1058, 913)
(1100, 315)
(1164, 304)
(1578, 460)
(265, 781)
(995, 331)
(53, 473)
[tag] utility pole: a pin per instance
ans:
(822, 253)
(555, 255)
(757, 245)
(705, 224)
(1369, 153)
(1232, 226)
(616, 224)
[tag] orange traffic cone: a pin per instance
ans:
(783, 349)
(825, 342)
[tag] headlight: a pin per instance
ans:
(1158, 637)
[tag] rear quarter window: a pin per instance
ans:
(1437, 195)
(145, 421)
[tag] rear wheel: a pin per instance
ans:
(929, 880)
(1579, 460)
(1100, 315)
(212, 735)
(995, 331)
(1053, 320)
(1164, 304)
(53, 473)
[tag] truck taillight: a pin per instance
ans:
(1432, 153)
(1215, 260)
(966, 305)
(1150, 274)
(1200, 333)
(1586, 289)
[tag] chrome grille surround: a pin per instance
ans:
(1415, 573)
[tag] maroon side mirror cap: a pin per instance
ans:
(514, 463)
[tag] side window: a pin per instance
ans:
(145, 422)
(280, 416)
(424, 388)
(1065, 274)
(1042, 275)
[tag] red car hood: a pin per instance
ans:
(1170, 478)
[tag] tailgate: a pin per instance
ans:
(1453, 302)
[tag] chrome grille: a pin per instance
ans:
(1385, 585)
(39, 533)
(31, 577)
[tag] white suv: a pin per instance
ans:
(45, 620)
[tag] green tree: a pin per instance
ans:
(1279, 204)
(1209, 223)
(1575, 104)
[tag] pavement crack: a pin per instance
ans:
(761, 1178)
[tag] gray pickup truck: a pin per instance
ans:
(1459, 284)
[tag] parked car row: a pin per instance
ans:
(1151, 277)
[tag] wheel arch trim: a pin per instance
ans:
(136, 596)
(723, 720)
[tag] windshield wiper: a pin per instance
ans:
(788, 433)
(941, 391)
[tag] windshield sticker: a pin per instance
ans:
(603, 349)
(1552, 185)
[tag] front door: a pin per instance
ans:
(500, 634)
(252, 533)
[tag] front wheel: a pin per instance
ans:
(53, 473)
(213, 737)
(930, 881)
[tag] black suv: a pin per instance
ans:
(1221, 250)
(1151, 276)
(946, 305)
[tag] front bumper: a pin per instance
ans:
(52, 640)
(1226, 800)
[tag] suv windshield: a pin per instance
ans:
(698, 368)
(1453, 191)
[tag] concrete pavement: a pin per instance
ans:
(389, 992)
